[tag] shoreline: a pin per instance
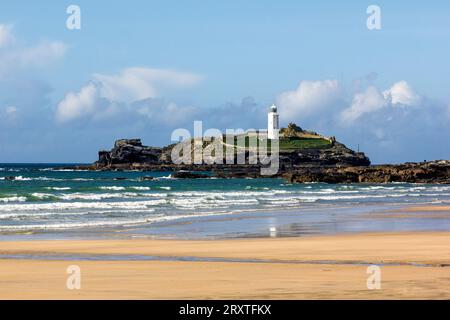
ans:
(302, 221)
(414, 265)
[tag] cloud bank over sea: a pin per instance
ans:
(392, 123)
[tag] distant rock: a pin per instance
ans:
(129, 151)
(188, 175)
(423, 172)
(146, 178)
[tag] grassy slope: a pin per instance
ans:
(303, 143)
(288, 144)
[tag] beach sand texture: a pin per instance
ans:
(413, 266)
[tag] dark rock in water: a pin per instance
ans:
(128, 151)
(188, 175)
(10, 178)
(423, 172)
(251, 174)
(120, 178)
(146, 178)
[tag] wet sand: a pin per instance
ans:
(414, 265)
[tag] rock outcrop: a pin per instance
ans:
(189, 175)
(128, 151)
(336, 154)
(131, 154)
(423, 172)
(330, 164)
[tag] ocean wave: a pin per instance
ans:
(198, 203)
(139, 188)
(74, 225)
(40, 195)
(22, 178)
(13, 199)
(96, 196)
(115, 188)
(164, 177)
(58, 188)
(33, 215)
(17, 178)
(58, 206)
(108, 223)
(378, 188)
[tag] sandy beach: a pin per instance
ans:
(413, 266)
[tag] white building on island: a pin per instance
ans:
(272, 123)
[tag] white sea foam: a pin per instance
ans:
(22, 178)
(378, 188)
(107, 223)
(115, 188)
(139, 188)
(18, 178)
(59, 188)
(59, 206)
(41, 195)
(33, 215)
(96, 196)
(164, 177)
(13, 199)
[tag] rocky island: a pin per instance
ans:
(304, 156)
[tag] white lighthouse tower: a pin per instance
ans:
(272, 123)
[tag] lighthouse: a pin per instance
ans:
(272, 123)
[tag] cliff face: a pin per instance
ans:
(132, 152)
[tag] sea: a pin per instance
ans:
(49, 201)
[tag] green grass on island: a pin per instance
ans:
(292, 143)
(304, 143)
(286, 144)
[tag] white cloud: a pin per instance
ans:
(42, 53)
(401, 93)
(140, 83)
(11, 110)
(14, 58)
(6, 36)
(121, 91)
(309, 98)
(78, 104)
(169, 114)
(372, 100)
(369, 101)
(8, 115)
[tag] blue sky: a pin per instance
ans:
(144, 68)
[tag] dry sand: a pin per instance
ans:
(300, 268)
(426, 208)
